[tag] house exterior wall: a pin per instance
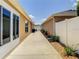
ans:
(13, 43)
(68, 31)
(22, 32)
(49, 26)
(30, 27)
(5, 49)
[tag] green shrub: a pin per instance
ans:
(44, 32)
(54, 38)
(49, 36)
(70, 51)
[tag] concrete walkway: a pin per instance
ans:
(35, 46)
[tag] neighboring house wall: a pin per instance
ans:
(68, 31)
(49, 26)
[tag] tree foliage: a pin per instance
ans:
(78, 8)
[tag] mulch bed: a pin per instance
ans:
(61, 51)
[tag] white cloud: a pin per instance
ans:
(75, 4)
(77, 0)
(41, 21)
(44, 19)
(31, 16)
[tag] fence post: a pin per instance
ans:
(66, 32)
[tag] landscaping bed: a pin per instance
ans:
(65, 51)
(61, 50)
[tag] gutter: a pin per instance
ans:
(18, 8)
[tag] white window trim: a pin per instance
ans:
(1, 25)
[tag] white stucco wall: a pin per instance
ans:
(68, 31)
(13, 43)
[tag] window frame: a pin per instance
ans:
(14, 29)
(3, 8)
(1, 25)
(11, 24)
(26, 27)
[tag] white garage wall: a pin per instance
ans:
(68, 31)
(9, 46)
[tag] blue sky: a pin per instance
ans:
(40, 10)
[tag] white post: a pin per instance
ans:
(54, 28)
(11, 27)
(66, 32)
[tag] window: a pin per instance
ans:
(6, 26)
(15, 26)
(5, 21)
(26, 27)
(0, 25)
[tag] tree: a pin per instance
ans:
(78, 8)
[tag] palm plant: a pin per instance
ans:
(70, 51)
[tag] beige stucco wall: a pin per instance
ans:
(23, 17)
(49, 26)
(30, 27)
(5, 49)
(22, 32)
(18, 7)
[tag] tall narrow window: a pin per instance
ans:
(15, 26)
(26, 27)
(0, 25)
(6, 26)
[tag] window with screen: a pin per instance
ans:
(0, 25)
(15, 26)
(26, 27)
(6, 26)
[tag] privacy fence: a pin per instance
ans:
(68, 30)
